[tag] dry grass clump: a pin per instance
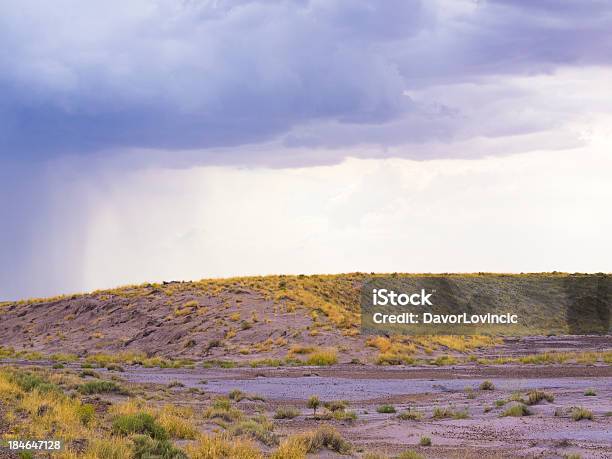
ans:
(536, 396)
(393, 351)
(223, 447)
(487, 385)
(425, 441)
(579, 413)
(517, 410)
(449, 413)
(286, 412)
(177, 421)
(222, 409)
(410, 415)
(443, 360)
(323, 357)
(257, 428)
(409, 454)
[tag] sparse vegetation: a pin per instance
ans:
(313, 403)
(448, 412)
(517, 410)
(139, 423)
(286, 412)
(579, 413)
(486, 385)
(536, 396)
(386, 409)
(409, 454)
(425, 441)
(322, 357)
(590, 393)
(101, 387)
(410, 415)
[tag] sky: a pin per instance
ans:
(158, 140)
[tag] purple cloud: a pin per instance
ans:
(201, 74)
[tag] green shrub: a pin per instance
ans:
(447, 413)
(139, 423)
(258, 428)
(487, 385)
(313, 403)
(86, 413)
(101, 387)
(336, 405)
(517, 410)
(500, 403)
(386, 409)
(90, 373)
(410, 415)
(590, 393)
(286, 412)
(146, 447)
(444, 360)
(425, 441)
(236, 395)
(29, 382)
(115, 367)
(58, 366)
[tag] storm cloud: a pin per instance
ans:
(170, 75)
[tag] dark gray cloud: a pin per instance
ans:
(172, 75)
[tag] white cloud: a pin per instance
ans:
(544, 210)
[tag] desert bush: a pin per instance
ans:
(579, 413)
(329, 438)
(487, 385)
(444, 360)
(221, 408)
(89, 373)
(336, 405)
(536, 396)
(385, 409)
(101, 387)
(517, 410)
(236, 395)
(146, 447)
(409, 454)
(425, 441)
(257, 363)
(257, 428)
(590, 393)
(177, 426)
(28, 382)
(410, 415)
(109, 448)
(293, 447)
(448, 412)
(313, 403)
(286, 412)
(323, 357)
(222, 447)
(86, 413)
(115, 367)
(139, 423)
